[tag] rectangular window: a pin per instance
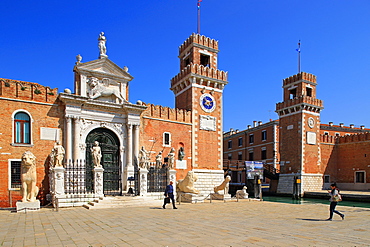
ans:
(263, 155)
(229, 156)
(264, 135)
(230, 145)
(251, 138)
(240, 156)
(15, 174)
(166, 139)
(251, 158)
(326, 179)
(360, 177)
(309, 91)
(240, 141)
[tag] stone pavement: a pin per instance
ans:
(243, 223)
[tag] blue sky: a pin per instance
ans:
(257, 42)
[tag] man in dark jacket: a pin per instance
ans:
(169, 194)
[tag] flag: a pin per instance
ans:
(199, 1)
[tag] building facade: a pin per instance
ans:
(99, 111)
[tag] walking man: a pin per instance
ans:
(168, 194)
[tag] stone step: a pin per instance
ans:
(122, 201)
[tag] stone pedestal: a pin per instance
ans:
(216, 196)
(58, 181)
(28, 206)
(189, 197)
(172, 177)
(143, 174)
(98, 181)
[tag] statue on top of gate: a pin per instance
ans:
(171, 159)
(143, 158)
(96, 154)
(158, 160)
(57, 155)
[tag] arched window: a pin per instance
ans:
(22, 128)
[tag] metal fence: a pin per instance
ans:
(77, 179)
(157, 179)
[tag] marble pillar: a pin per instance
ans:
(143, 175)
(68, 136)
(98, 181)
(76, 137)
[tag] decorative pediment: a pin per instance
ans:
(103, 68)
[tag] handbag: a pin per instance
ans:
(337, 198)
(166, 200)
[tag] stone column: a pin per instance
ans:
(136, 143)
(76, 137)
(68, 136)
(129, 145)
(98, 181)
(143, 176)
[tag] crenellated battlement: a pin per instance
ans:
(298, 77)
(27, 91)
(328, 139)
(353, 138)
(167, 113)
(200, 70)
(199, 39)
(299, 100)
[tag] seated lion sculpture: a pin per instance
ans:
(224, 186)
(28, 177)
(187, 184)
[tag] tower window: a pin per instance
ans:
(187, 62)
(293, 93)
(309, 91)
(204, 60)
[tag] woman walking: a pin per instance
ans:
(335, 197)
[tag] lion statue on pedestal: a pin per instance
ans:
(187, 184)
(223, 186)
(28, 177)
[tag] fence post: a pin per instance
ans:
(98, 181)
(143, 180)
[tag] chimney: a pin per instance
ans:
(351, 126)
(330, 123)
(254, 123)
(259, 122)
(249, 126)
(362, 127)
(341, 125)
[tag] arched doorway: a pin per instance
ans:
(110, 160)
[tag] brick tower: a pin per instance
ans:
(199, 87)
(299, 120)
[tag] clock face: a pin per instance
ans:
(311, 122)
(207, 102)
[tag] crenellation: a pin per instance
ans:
(358, 137)
(199, 39)
(167, 113)
(27, 91)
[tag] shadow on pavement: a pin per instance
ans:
(312, 219)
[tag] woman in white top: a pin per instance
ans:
(335, 197)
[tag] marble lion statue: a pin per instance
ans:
(28, 177)
(187, 184)
(224, 186)
(99, 90)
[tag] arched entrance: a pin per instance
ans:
(110, 160)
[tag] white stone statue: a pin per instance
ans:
(96, 154)
(242, 194)
(143, 158)
(28, 177)
(187, 184)
(58, 155)
(98, 89)
(223, 186)
(102, 48)
(171, 159)
(158, 160)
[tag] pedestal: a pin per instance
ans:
(172, 177)
(143, 174)
(216, 196)
(28, 206)
(58, 181)
(98, 181)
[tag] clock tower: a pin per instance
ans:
(299, 134)
(199, 87)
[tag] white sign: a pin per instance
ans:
(207, 123)
(181, 164)
(311, 138)
(50, 134)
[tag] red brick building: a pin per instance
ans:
(301, 147)
(35, 117)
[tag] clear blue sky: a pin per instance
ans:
(257, 42)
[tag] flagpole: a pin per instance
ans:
(299, 56)
(198, 29)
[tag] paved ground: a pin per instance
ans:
(218, 224)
